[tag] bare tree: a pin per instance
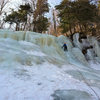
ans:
(29, 25)
(3, 5)
(54, 22)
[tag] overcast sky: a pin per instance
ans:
(15, 3)
(52, 2)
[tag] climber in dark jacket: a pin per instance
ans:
(65, 47)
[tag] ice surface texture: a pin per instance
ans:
(33, 66)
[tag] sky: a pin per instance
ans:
(52, 2)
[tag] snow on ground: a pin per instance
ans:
(37, 82)
(34, 81)
(95, 65)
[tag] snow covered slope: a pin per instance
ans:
(33, 66)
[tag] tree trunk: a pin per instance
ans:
(85, 27)
(24, 26)
(54, 21)
(17, 27)
(70, 29)
(80, 28)
(74, 29)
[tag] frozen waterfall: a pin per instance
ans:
(51, 45)
(34, 66)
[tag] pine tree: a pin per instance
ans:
(40, 21)
(19, 17)
(79, 13)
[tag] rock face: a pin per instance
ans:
(71, 95)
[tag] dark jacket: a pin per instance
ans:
(65, 47)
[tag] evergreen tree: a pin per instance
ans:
(79, 13)
(66, 15)
(40, 21)
(19, 17)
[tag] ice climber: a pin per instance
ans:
(65, 47)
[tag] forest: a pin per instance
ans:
(69, 17)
